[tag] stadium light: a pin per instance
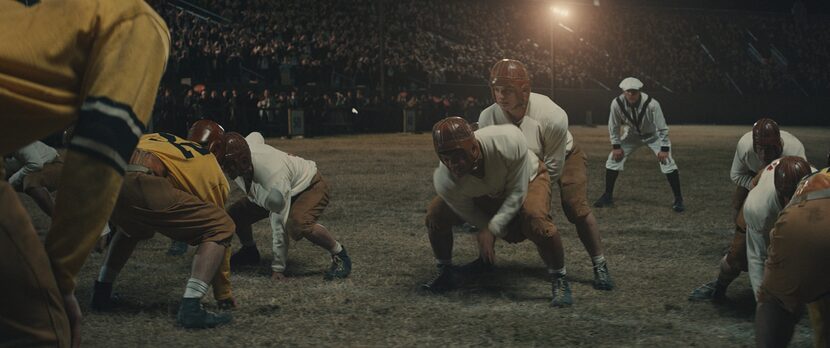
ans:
(559, 11)
(556, 14)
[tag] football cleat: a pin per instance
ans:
(602, 279)
(193, 316)
(341, 266)
(678, 205)
(711, 291)
(446, 279)
(561, 291)
(604, 201)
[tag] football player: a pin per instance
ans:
(491, 180)
(756, 149)
(545, 127)
(95, 63)
(174, 187)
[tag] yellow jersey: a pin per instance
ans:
(95, 63)
(190, 167)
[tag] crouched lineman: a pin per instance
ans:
(94, 63)
(795, 271)
(174, 187)
(490, 179)
(756, 150)
(288, 190)
(545, 127)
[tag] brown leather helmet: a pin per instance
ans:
(511, 73)
(234, 154)
(766, 140)
(452, 133)
(205, 133)
(788, 173)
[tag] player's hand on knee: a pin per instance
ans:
(617, 154)
(663, 157)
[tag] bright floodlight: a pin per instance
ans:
(562, 12)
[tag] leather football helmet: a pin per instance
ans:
(511, 73)
(766, 140)
(234, 155)
(206, 133)
(456, 145)
(788, 173)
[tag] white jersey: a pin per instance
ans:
(746, 162)
(508, 169)
(29, 159)
(761, 210)
(651, 122)
(545, 128)
(276, 172)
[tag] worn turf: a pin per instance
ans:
(381, 185)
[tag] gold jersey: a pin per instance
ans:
(190, 168)
(95, 63)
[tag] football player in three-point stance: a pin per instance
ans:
(756, 149)
(96, 64)
(174, 187)
(288, 190)
(545, 127)
(795, 271)
(491, 180)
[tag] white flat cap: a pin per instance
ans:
(631, 83)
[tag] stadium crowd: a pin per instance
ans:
(334, 43)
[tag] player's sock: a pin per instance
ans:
(674, 182)
(557, 272)
(447, 262)
(598, 260)
(610, 180)
(337, 248)
(195, 288)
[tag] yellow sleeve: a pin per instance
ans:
(125, 65)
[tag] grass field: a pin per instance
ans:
(381, 186)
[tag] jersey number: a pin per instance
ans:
(181, 146)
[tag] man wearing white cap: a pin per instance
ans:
(636, 119)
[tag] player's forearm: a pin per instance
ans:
(75, 227)
(280, 251)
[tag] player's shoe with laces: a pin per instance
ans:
(245, 256)
(602, 279)
(193, 316)
(561, 290)
(711, 291)
(678, 205)
(103, 299)
(341, 266)
(446, 279)
(605, 201)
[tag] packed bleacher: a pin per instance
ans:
(326, 55)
